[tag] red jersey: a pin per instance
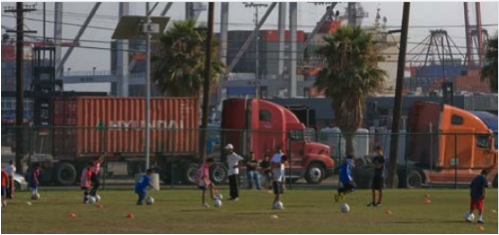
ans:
(5, 177)
(34, 176)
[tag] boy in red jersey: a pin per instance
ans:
(5, 185)
(85, 181)
(95, 176)
(33, 182)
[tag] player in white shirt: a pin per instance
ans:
(277, 163)
(11, 170)
(233, 160)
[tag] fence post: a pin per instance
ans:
(290, 160)
(105, 158)
(455, 160)
(173, 158)
(339, 158)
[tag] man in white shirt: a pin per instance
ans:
(233, 160)
(11, 170)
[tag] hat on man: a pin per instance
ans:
(229, 147)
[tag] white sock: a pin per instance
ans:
(33, 192)
(480, 217)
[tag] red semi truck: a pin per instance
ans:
(261, 126)
(87, 127)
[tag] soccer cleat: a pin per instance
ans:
(480, 221)
(336, 197)
(377, 205)
(342, 196)
(139, 203)
(206, 205)
(371, 204)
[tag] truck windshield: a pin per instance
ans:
(296, 135)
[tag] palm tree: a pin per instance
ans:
(350, 73)
(177, 61)
(489, 71)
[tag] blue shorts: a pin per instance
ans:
(202, 187)
(3, 191)
(33, 186)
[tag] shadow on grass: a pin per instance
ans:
(419, 222)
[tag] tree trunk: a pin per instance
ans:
(349, 138)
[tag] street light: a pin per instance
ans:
(142, 28)
(257, 40)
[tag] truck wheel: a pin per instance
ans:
(315, 173)
(65, 174)
(218, 173)
(190, 173)
(414, 180)
(395, 182)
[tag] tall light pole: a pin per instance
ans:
(148, 87)
(257, 44)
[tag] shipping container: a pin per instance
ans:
(91, 126)
(273, 35)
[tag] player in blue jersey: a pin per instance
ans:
(142, 184)
(346, 178)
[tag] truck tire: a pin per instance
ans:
(218, 173)
(190, 173)
(395, 182)
(315, 173)
(65, 174)
(414, 179)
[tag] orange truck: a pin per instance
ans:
(461, 144)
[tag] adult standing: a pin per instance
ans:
(233, 160)
(278, 161)
(378, 178)
(11, 171)
(95, 178)
(252, 173)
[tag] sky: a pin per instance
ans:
(424, 16)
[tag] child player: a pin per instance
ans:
(142, 184)
(278, 162)
(33, 181)
(5, 185)
(478, 192)
(346, 178)
(85, 181)
(203, 180)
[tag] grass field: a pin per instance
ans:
(307, 211)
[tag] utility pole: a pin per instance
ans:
(257, 45)
(20, 10)
(392, 162)
(206, 83)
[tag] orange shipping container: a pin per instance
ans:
(90, 126)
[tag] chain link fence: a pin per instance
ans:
(434, 159)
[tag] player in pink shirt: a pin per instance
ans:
(96, 175)
(203, 180)
(85, 180)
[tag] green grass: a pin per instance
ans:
(307, 211)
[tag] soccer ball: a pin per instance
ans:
(469, 217)
(92, 199)
(219, 196)
(150, 201)
(278, 205)
(218, 203)
(35, 196)
(345, 208)
(97, 198)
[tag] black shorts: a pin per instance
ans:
(378, 182)
(350, 186)
(277, 187)
(94, 178)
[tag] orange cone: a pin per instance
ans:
(130, 215)
(480, 228)
(100, 206)
(427, 201)
(72, 215)
(388, 212)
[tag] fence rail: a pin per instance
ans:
(423, 159)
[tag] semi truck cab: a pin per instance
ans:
(261, 126)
